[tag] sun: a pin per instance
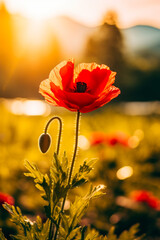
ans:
(37, 9)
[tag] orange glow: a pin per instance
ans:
(35, 35)
(90, 12)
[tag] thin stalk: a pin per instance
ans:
(51, 231)
(71, 170)
(60, 131)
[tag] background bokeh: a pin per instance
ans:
(124, 135)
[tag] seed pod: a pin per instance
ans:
(44, 142)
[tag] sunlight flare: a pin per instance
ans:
(124, 172)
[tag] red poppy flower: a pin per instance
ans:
(97, 138)
(6, 198)
(146, 197)
(85, 88)
(110, 139)
(117, 138)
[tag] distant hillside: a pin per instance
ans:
(76, 34)
(142, 38)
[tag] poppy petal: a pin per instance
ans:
(45, 90)
(88, 66)
(74, 100)
(80, 99)
(113, 93)
(62, 74)
(61, 89)
(97, 77)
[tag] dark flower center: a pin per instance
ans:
(81, 87)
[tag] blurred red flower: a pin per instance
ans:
(85, 88)
(146, 197)
(6, 198)
(110, 139)
(117, 138)
(97, 138)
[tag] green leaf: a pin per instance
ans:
(65, 222)
(45, 230)
(77, 209)
(81, 176)
(29, 230)
(59, 169)
(38, 223)
(111, 235)
(96, 191)
(19, 237)
(53, 187)
(130, 234)
(33, 172)
(74, 234)
(42, 181)
(43, 233)
(76, 182)
(16, 216)
(92, 235)
(2, 237)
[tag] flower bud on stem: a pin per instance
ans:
(71, 170)
(60, 131)
(45, 136)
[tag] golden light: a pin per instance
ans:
(124, 172)
(28, 107)
(139, 133)
(36, 9)
(89, 12)
(67, 204)
(34, 107)
(83, 142)
(35, 35)
(127, 202)
(133, 141)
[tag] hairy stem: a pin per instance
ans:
(71, 170)
(51, 231)
(60, 131)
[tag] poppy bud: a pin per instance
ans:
(44, 142)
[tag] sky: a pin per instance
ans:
(90, 12)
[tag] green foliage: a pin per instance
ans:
(28, 230)
(76, 234)
(82, 175)
(17, 135)
(2, 237)
(54, 188)
(54, 184)
(126, 235)
(78, 208)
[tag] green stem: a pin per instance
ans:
(71, 170)
(60, 131)
(51, 231)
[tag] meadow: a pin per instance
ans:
(128, 163)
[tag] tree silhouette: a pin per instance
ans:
(106, 44)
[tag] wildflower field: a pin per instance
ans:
(79, 120)
(128, 165)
